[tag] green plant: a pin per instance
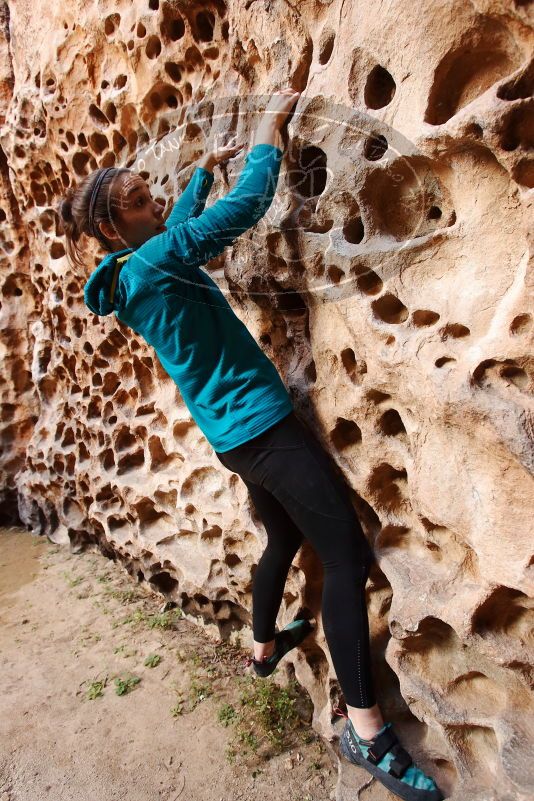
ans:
(123, 686)
(72, 582)
(178, 708)
(265, 717)
(226, 714)
(123, 651)
(95, 689)
(164, 620)
(249, 739)
(128, 596)
(198, 691)
(136, 617)
(153, 660)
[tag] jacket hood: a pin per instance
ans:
(97, 289)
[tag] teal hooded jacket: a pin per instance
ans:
(231, 388)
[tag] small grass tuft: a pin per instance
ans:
(95, 689)
(265, 718)
(123, 686)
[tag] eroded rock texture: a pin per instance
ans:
(391, 282)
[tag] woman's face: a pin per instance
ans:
(140, 217)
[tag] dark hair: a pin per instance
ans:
(74, 210)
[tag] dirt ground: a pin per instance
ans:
(73, 626)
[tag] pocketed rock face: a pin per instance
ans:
(391, 284)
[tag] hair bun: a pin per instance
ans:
(65, 208)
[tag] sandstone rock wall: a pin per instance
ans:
(391, 283)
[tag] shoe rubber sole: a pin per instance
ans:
(351, 752)
(282, 647)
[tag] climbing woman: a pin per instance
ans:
(152, 279)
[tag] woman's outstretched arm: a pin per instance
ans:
(193, 199)
(201, 238)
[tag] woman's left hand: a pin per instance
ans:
(220, 155)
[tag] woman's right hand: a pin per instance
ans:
(279, 107)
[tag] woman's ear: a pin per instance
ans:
(109, 230)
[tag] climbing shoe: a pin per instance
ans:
(290, 636)
(386, 759)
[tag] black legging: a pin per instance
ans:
(297, 493)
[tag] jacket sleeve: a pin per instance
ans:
(193, 199)
(201, 238)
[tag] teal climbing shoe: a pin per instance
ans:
(290, 636)
(386, 759)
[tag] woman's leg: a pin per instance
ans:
(283, 541)
(290, 464)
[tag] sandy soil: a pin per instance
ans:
(64, 625)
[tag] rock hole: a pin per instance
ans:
(400, 196)
(423, 317)
(516, 375)
(131, 461)
(335, 273)
(289, 300)
(205, 23)
(374, 147)
(98, 143)
(444, 360)
(434, 213)
(392, 536)
(353, 230)
(212, 53)
(57, 251)
(376, 396)
(520, 87)
(369, 283)
(153, 46)
(454, 330)
(173, 28)
(379, 88)
(164, 582)
(232, 560)
(111, 23)
(310, 372)
(506, 610)
(98, 117)
(111, 114)
(326, 45)
(386, 485)
(389, 309)
(345, 434)
(348, 359)
(474, 129)
(521, 324)
(466, 72)
(523, 173)
(391, 423)
(310, 176)
(173, 71)
(211, 533)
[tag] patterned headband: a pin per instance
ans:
(92, 202)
